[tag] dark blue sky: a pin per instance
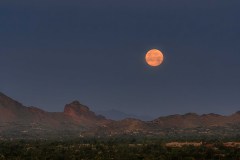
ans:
(53, 52)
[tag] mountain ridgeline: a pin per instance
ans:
(20, 122)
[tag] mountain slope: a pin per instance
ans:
(17, 119)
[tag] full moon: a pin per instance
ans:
(154, 57)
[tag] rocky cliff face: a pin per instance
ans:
(78, 111)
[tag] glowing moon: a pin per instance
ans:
(154, 57)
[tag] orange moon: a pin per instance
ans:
(154, 57)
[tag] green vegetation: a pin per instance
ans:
(113, 148)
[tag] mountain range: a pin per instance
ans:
(77, 120)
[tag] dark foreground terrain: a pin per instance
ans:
(119, 149)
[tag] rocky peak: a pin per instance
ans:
(81, 113)
(76, 108)
(75, 103)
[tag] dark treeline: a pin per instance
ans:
(130, 148)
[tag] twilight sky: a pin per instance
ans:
(55, 51)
